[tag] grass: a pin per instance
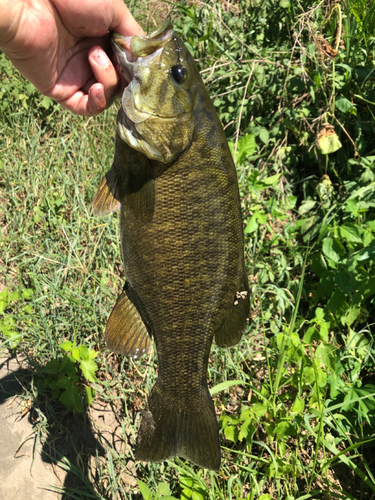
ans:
(295, 399)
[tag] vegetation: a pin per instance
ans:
(293, 83)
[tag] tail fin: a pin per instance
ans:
(167, 431)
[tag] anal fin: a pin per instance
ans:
(126, 332)
(231, 330)
(106, 200)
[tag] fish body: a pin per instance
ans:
(174, 180)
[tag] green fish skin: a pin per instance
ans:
(174, 180)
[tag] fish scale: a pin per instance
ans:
(174, 180)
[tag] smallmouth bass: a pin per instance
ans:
(175, 183)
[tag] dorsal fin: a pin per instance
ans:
(107, 199)
(126, 332)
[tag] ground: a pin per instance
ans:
(28, 459)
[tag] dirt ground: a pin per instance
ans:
(28, 467)
(23, 473)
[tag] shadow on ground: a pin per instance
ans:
(57, 448)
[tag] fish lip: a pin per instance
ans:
(126, 62)
(123, 48)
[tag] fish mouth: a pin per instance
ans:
(133, 55)
(133, 52)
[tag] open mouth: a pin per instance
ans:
(141, 50)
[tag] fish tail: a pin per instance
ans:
(190, 432)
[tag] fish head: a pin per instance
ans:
(156, 114)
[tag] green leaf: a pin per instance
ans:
(71, 399)
(30, 88)
(350, 232)
(75, 353)
(333, 249)
(367, 253)
(68, 365)
(64, 382)
(321, 377)
(163, 489)
(350, 315)
(14, 296)
(246, 431)
(264, 135)
(66, 346)
(252, 225)
(92, 354)
(246, 146)
(343, 281)
(89, 368)
(298, 405)
(344, 105)
(27, 293)
(329, 144)
(198, 494)
(224, 385)
(308, 375)
(285, 5)
(352, 207)
(306, 206)
(326, 354)
(310, 228)
(336, 302)
(46, 102)
(231, 433)
(357, 344)
(52, 367)
(145, 490)
(90, 394)
(272, 180)
(259, 409)
(3, 305)
(284, 428)
(84, 352)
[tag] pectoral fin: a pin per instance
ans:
(141, 193)
(106, 200)
(126, 332)
(231, 331)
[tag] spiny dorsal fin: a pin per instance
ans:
(126, 333)
(106, 200)
(231, 331)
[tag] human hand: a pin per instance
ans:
(60, 47)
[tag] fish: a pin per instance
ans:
(174, 181)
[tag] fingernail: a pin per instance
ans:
(100, 94)
(101, 58)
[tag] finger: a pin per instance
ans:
(123, 22)
(74, 76)
(104, 72)
(97, 100)
(83, 19)
(92, 103)
(85, 89)
(77, 103)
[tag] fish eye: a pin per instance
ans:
(179, 73)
